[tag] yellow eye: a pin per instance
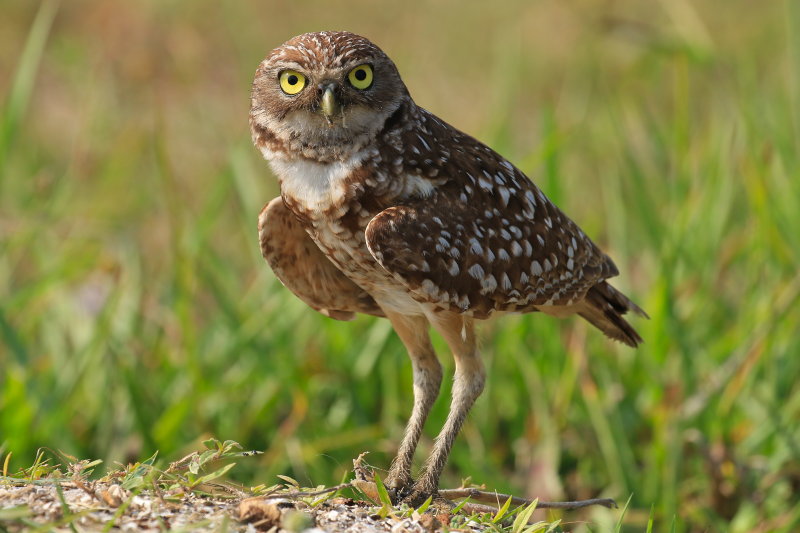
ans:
(292, 82)
(361, 77)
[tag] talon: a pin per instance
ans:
(416, 497)
(394, 495)
(398, 488)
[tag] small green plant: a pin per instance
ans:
(425, 505)
(502, 511)
(624, 512)
(520, 524)
(40, 468)
(196, 473)
(383, 495)
(139, 474)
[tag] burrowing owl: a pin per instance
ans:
(386, 209)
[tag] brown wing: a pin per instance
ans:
(302, 267)
(486, 240)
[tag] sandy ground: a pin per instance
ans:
(91, 506)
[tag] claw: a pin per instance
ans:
(416, 497)
(398, 489)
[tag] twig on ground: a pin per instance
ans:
(369, 488)
(499, 499)
(478, 508)
(81, 485)
(303, 494)
(20, 482)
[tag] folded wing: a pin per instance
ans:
(302, 267)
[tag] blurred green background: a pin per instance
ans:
(136, 313)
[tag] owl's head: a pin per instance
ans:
(324, 91)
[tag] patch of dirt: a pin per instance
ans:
(335, 515)
(91, 506)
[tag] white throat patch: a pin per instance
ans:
(314, 186)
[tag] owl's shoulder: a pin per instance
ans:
(426, 147)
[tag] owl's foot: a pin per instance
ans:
(418, 495)
(398, 487)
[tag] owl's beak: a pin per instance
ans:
(329, 105)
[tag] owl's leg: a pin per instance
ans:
(469, 379)
(413, 331)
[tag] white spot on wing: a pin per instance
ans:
(427, 147)
(528, 248)
(476, 271)
(488, 284)
(485, 181)
(452, 268)
(504, 195)
(475, 246)
(429, 287)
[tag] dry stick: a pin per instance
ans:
(369, 488)
(81, 485)
(305, 494)
(478, 508)
(499, 499)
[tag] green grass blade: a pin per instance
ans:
(522, 519)
(424, 507)
(622, 513)
(24, 77)
(502, 511)
(383, 494)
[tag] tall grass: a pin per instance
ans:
(136, 313)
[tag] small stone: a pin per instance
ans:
(263, 514)
(114, 495)
(431, 523)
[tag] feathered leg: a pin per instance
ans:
(413, 331)
(469, 379)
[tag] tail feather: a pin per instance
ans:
(604, 306)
